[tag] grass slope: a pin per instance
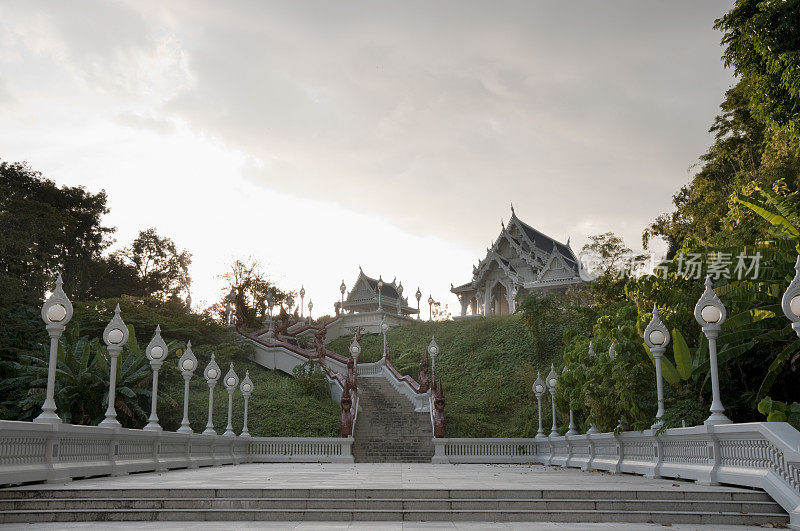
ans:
(486, 366)
(279, 406)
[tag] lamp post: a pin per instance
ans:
(433, 350)
(114, 336)
(56, 313)
(791, 299)
(186, 364)
(572, 430)
(302, 295)
(310, 307)
(246, 388)
(399, 298)
(231, 381)
(419, 296)
(270, 303)
(384, 329)
(592, 426)
(211, 374)
(156, 351)
(380, 288)
(430, 307)
(538, 390)
(229, 307)
(355, 350)
(612, 351)
(710, 314)
(552, 379)
(342, 289)
(656, 336)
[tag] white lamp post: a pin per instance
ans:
(310, 307)
(355, 350)
(710, 313)
(380, 288)
(114, 336)
(186, 364)
(246, 388)
(433, 350)
(384, 329)
(56, 313)
(430, 307)
(572, 430)
(418, 295)
(156, 352)
(612, 351)
(399, 298)
(302, 294)
(656, 336)
(231, 381)
(791, 299)
(270, 303)
(552, 379)
(592, 426)
(539, 389)
(342, 289)
(211, 374)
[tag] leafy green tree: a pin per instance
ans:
(162, 269)
(761, 40)
(251, 289)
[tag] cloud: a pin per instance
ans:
(153, 123)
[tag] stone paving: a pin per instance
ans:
(377, 475)
(384, 476)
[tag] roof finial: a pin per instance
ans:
(512, 209)
(502, 224)
(567, 241)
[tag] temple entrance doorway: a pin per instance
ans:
(499, 300)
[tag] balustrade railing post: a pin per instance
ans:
(115, 336)
(56, 313)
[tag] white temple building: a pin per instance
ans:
(521, 260)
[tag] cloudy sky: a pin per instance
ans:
(320, 136)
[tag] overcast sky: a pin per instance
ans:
(320, 136)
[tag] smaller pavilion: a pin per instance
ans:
(369, 303)
(366, 296)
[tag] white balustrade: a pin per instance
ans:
(764, 455)
(59, 452)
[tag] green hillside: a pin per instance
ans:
(486, 365)
(280, 405)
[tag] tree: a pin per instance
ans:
(162, 270)
(612, 261)
(761, 40)
(45, 230)
(251, 289)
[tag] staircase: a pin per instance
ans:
(388, 430)
(735, 507)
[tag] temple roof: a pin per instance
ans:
(388, 293)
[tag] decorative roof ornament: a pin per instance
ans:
(512, 210)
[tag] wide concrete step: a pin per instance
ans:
(66, 505)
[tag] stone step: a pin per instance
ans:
(668, 507)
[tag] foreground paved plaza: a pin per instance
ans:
(385, 476)
(379, 476)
